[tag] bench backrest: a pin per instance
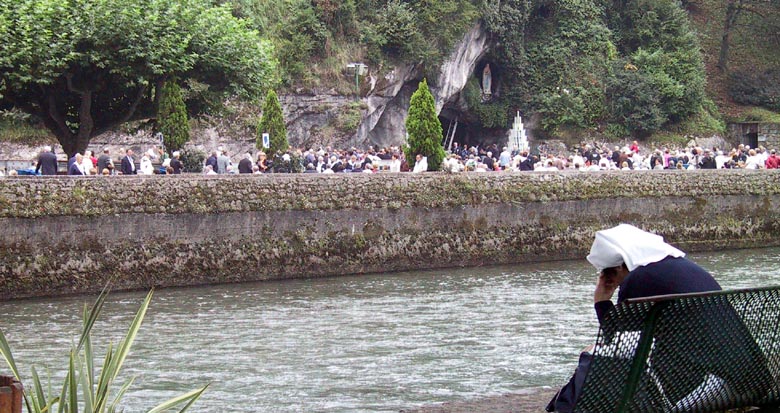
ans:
(690, 352)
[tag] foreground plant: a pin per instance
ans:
(81, 379)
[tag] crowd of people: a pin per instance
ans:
(588, 157)
(604, 157)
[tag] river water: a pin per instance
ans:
(375, 343)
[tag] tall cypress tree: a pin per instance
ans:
(172, 118)
(272, 123)
(424, 128)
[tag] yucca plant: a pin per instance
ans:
(81, 380)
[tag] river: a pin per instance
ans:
(375, 343)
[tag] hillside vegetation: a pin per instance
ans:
(614, 68)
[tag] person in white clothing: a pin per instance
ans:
(421, 164)
(146, 166)
(86, 163)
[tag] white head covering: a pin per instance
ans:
(630, 245)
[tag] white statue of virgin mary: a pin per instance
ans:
(486, 80)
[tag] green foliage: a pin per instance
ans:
(172, 119)
(397, 31)
(339, 16)
(18, 127)
(657, 39)
(98, 61)
(556, 56)
(706, 121)
(301, 36)
(493, 114)
(84, 390)
(756, 89)
(349, 118)
(418, 31)
(424, 128)
(192, 160)
(760, 115)
(566, 60)
(272, 122)
(634, 100)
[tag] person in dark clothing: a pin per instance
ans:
(707, 161)
(128, 164)
(104, 161)
(527, 164)
(176, 164)
(47, 162)
(212, 160)
(75, 167)
(643, 265)
(245, 165)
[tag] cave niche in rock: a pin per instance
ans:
(469, 131)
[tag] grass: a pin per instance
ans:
(24, 133)
(759, 115)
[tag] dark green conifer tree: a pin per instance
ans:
(424, 128)
(172, 120)
(272, 123)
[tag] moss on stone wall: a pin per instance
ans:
(68, 236)
(31, 197)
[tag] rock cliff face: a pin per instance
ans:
(388, 100)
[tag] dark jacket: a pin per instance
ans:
(47, 163)
(245, 166)
(127, 167)
(74, 169)
(212, 160)
(103, 162)
(176, 165)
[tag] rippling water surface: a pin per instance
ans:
(375, 343)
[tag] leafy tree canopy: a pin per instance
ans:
(86, 66)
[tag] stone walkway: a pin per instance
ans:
(527, 401)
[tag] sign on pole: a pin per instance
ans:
(266, 141)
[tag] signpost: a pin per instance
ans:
(360, 70)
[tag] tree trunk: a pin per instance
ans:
(733, 10)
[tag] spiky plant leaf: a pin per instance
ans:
(189, 398)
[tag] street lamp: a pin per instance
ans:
(360, 70)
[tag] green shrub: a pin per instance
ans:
(424, 128)
(192, 159)
(397, 28)
(634, 101)
(349, 118)
(300, 37)
(272, 122)
(172, 119)
(756, 89)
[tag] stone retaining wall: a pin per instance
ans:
(65, 235)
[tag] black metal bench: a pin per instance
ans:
(707, 352)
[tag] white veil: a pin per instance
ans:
(630, 245)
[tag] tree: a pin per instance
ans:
(172, 119)
(424, 128)
(272, 123)
(734, 10)
(84, 67)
